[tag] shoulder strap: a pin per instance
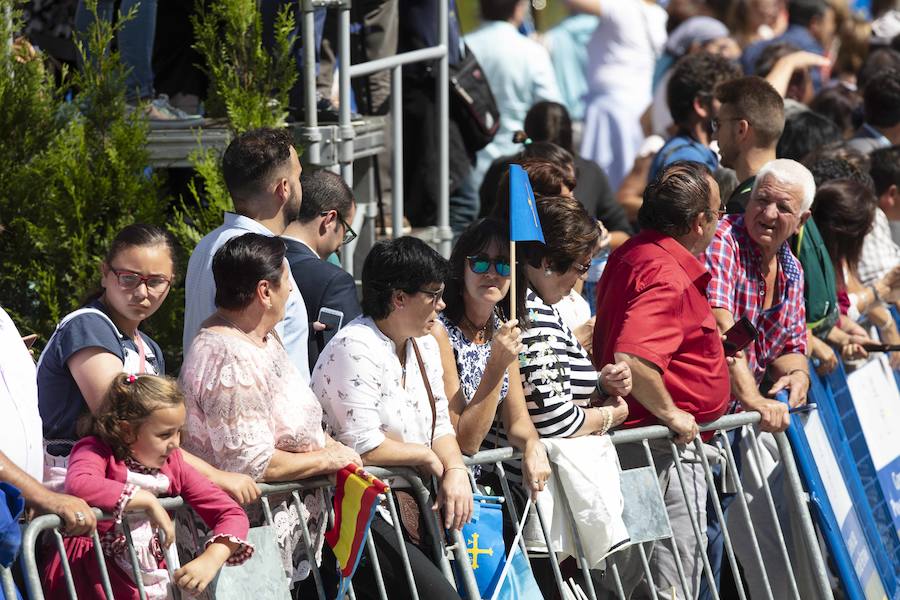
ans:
(87, 310)
(427, 385)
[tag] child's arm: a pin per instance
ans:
(144, 500)
(87, 477)
(197, 574)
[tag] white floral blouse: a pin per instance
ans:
(358, 382)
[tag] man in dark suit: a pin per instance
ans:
(322, 226)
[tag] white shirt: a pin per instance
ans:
(879, 253)
(519, 73)
(200, 292)
(622, 52)
(358, 382)
(20, 428)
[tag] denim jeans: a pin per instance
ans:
(135, 41)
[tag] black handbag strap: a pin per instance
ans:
(415, 347)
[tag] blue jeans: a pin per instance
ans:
(135, 41)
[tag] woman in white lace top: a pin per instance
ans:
(248, 410)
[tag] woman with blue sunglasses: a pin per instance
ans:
(480, 352)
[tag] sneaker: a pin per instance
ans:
(162, 115)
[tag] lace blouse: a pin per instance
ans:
(244, 402)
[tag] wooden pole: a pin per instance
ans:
(512, 280)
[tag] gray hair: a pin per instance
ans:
(791, 173)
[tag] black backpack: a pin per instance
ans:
(472, 104)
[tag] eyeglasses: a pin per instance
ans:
(436, 295)
(481, 264)
(716, 122)
(129, 280)
(349, 234)
(582, 268)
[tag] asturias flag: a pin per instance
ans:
(355, 499)
(523, 217)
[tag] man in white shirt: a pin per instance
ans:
(262, 173)
(880, 253)
(520, 74)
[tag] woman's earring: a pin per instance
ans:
(548, 272)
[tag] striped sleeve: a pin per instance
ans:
(547, 373)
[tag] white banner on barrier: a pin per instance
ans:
(877, 403)
(842, 506)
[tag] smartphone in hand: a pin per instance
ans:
(332, 319)
(739, 336)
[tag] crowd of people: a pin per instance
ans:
(768, 194)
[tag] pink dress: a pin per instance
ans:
(244, 402)
(104, 482)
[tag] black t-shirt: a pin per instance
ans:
(60, 401)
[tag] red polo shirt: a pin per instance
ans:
(651, 302)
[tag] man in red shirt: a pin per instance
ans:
(653, 313)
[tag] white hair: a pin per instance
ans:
(790, 173)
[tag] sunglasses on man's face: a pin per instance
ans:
(482, 264)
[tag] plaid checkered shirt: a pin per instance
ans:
(738, 286)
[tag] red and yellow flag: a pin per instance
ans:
(355, 499)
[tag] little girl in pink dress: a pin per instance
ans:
(132, 459)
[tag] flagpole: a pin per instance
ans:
(513, 299)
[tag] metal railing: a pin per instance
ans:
(313, 135)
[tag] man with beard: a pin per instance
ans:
(262, 173)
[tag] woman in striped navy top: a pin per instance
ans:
(565, 395)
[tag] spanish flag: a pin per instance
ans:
(355, 499)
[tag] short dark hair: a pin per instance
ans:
(673, 200)
(547, 175)
(569, 233)
(696, 75)
(881, 99)
(805, 131)
(474, 240)
(770, 55)
(241, 263)
(877, 62)
(250, 160)
(498, 10)
(844, 211)
(827, 169)
(801, 12)
(840, 104)
(885, 168)
(754, 99)
(323, 191)
(549, 122)
(405, 264)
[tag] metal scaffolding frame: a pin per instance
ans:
(312, 132)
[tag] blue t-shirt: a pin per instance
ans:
(682, 147)
(59, 399)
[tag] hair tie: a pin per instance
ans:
(130, 379)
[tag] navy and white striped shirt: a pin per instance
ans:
(557, 374)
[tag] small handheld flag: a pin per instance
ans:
(355, 499)
(524, 223)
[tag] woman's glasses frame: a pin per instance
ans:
(481, 264)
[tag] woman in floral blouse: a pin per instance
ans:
(480, 353)
(248, 410)
(376, 397)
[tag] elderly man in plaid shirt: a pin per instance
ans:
(755, 275)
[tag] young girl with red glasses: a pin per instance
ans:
(101, 339)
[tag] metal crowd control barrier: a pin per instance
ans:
(643, 436)
(312, 133)
(7, 585)
(458, 547)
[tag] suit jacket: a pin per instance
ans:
(321, 284)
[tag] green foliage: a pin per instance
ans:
(248, 84)
(71, 176)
